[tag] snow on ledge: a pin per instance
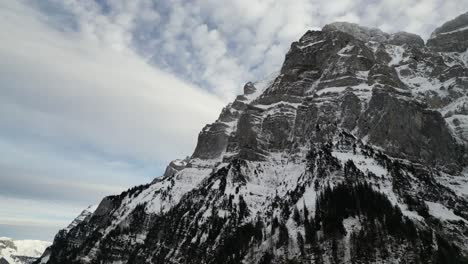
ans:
(442, 212)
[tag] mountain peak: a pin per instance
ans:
(367, 34)
(460, 23)
(360, 32)
(452, 36)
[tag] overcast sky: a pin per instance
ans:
(99, 95)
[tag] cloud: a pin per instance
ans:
(34, 232)
(56, 213)
(66, 86)
(83, 116)
(219, 45)
(30, 219)
(35, 172)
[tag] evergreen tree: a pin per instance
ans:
(296, 215)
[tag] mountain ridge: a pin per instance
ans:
(354, 153)
(21, 251)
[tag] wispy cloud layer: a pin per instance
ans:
(221, 44)
(81, 119)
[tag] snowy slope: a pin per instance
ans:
(82, 217)
(21, 251)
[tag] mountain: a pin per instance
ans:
(355, 152)
(83, 216)
(21, 251)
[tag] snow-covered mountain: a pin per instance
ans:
(86, 213)
(21, 251)
(355, 152)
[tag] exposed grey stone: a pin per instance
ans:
(316, 121)
(305, 123)
(268, 99)
(359, 32)
(455, 24)
(212, 141)
(406, 129)
(251, 145)
(312, 51)
(401, 38)
(239, 105)
(452, 36)
(385, 75)
(230, 112)
(350, 109)
(7, 244)
(343, 67)
(104, 207)
(277, 128)
(334, 57)
(173, 167)
(249, 88)
(367, 34)
(381, 55)
(350, 80)
(456, 71)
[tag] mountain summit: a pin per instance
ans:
(355, 152)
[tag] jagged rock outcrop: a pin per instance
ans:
(85, 214)
(451, 36)
(174, 167)
(359, 32)
(406, 129)
(355, 152)
(401, 38)
(367, 34)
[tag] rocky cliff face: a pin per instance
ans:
(355, 152)
(451, 36)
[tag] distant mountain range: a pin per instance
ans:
(21, 251)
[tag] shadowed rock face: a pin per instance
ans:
(351, 110)
(333, 56)
(406, 129)
(304, 64)
(355, 152)
(451, 36)
(359, 32)
(212, 141)
(215, 139)
(249, 88)
(386, 75)
(374, 34)
(250, 142)
(401, 38)
(174, 166)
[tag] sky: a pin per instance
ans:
(97, 96)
